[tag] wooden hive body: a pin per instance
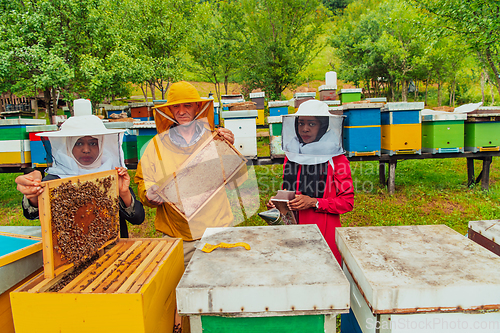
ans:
(128, 285)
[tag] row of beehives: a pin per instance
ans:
(400, 128)
(369, 129)
(420, 278)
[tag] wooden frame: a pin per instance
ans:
(53, 263)
(184, 174)
(125, 268)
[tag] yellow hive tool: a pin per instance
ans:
(207, 248)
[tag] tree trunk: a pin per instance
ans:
(153, 90)
(35, 104)
(492, 94)
(226, 83)
(426, 89)
(415, 96)
(452, 92)
(46, 97)
(482, 81)
(164, 90)
(404, 90)
(144, 88)
(493, 68)
(439, 92)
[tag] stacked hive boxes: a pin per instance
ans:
(301, 97)
(20, 259)
(229, 99)
(110, 110)
(334, 107)
(482, 130)
(401, 128)
(40, 157)
(145, 131)
(275, 127)
(243, 125)
(443, 132)
(216, 114)
(15, 149)
(301, 289)
(259, 99)
(419, 278)
(129, 144)
(276, 110)
(141, 111)
(350, 95)
(362, 129)
(327, 93)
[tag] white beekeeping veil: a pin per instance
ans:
(61, 144)
(312, 135)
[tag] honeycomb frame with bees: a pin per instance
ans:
(97, 282)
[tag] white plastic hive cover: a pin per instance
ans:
(421, 268)
(489, 229)
(289, 269)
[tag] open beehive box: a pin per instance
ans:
(92, 280)
(189, 189)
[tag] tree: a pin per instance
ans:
(44, 40)
(280, 39)
(215, 48)
(476, 21)
(355, 38)
(155, 33)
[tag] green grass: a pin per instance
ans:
(430, 191)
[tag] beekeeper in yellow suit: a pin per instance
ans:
(183, 124)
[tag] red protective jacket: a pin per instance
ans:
(338, 198)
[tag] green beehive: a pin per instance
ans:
(443, 132)
(482, 130)
(350, 95)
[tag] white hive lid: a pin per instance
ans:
(239, 114)
(326, 87)
(289, 269)
(488, 228)
(305, 94)
(22, 121)
(403, 106)
(276, 104)
(258, 94)
(144, 124)
(352, 106)
(432, 115)
(420, 268)
(274, 119)
(350, 91)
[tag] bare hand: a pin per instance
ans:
(29, 185)
(270, 204)
(301, 202)
(227, 134)
(123, 185)
(152, 195)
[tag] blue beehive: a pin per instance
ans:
(362, 129)
(278, 108)
(217, 114)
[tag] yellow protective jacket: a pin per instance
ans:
(160, 160)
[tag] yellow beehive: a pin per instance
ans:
(130, 287)
(402, 138)
(260, 117)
